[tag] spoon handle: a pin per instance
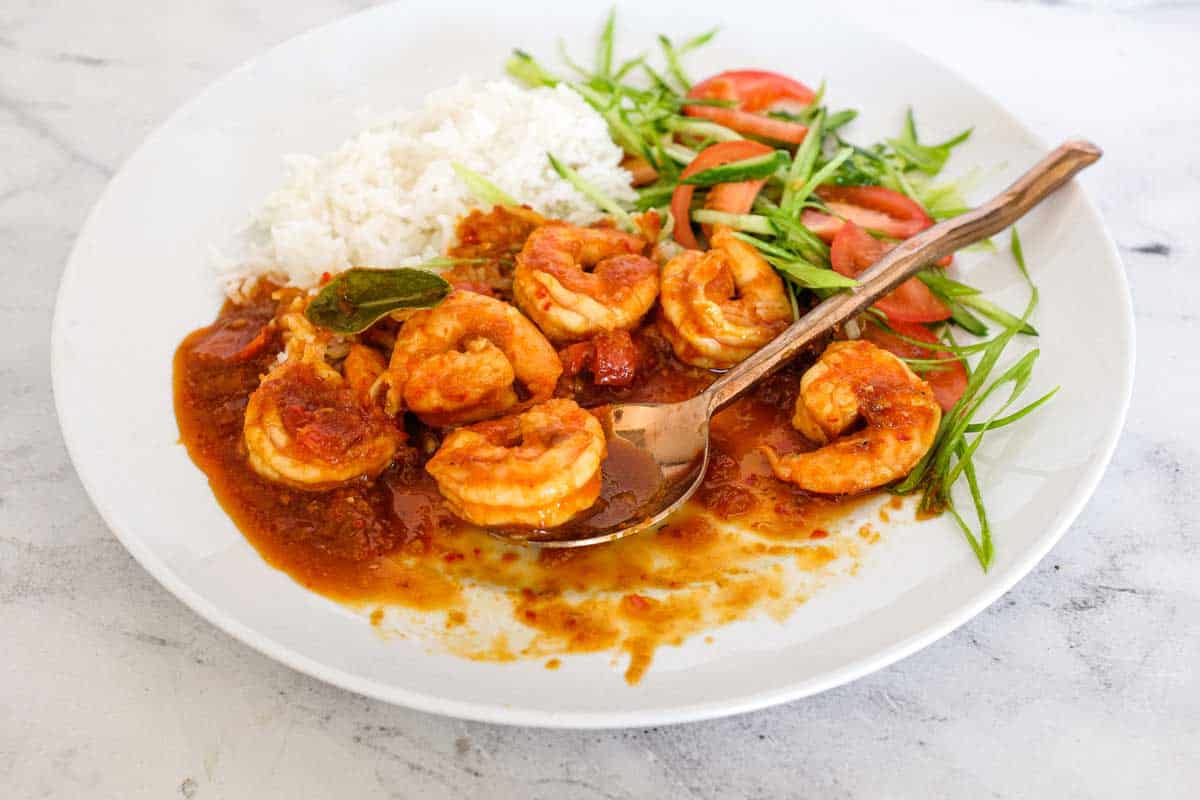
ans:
(905, 261)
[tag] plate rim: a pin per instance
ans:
(932, 631)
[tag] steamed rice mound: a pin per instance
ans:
(389, 197)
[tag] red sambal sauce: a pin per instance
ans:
(392, 540)
(327, 539)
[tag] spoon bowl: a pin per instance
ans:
(657, 454)
(665, 446)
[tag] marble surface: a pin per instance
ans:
(1081, 682)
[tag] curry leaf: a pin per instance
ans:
(359, 297)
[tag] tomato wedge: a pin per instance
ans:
(235, 340)
(874, 207)
(732, 198)
(854, 250)
(948, 381)
(753, 91)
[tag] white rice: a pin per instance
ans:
(389, 197)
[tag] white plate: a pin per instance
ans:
(139, 279)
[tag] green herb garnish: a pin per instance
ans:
(482, 188)
(524, 68)
(751, 223)
(950, 457)
(928, 158)
(359, 297)
(810, 276)
(674, 66)
(604, 52)
(602, 200)
(952, 291)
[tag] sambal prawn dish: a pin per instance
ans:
(420, 330)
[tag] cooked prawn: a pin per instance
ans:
(462, 360)
(309, 427)
(721, 305)
(362, 367)
(852, 382)
(537, 469)
(575, 282)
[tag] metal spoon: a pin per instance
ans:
(670, 441)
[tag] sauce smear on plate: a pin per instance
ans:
(746, 543)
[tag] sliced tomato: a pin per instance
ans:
(237, 339)
(824, 225)
(733, 198)
(754, 92)
(853, 250)
(612, 358)
(912, 301)
(616, 359)
(778, 130)
(948, 381)
(827, 226)
(874, 207)
(575, 358)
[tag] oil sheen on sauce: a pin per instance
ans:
(745, 545)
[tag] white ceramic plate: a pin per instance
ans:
(139, 280)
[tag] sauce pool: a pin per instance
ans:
(745, 544)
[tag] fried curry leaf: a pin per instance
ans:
(357, 298)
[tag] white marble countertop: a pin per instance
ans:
(109, 687)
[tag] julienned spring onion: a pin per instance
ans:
(750, 223)
(674, 66)
(927, 158)
(701, 128)
(482, 188)
(954, 447)
(807, 276)
(592, 193)
(954, 292)
(644, 106)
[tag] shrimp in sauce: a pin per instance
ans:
(309, 427)
(719, 306)
(537, 469)
(463, 361)
(857, 382)
(577, 282)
